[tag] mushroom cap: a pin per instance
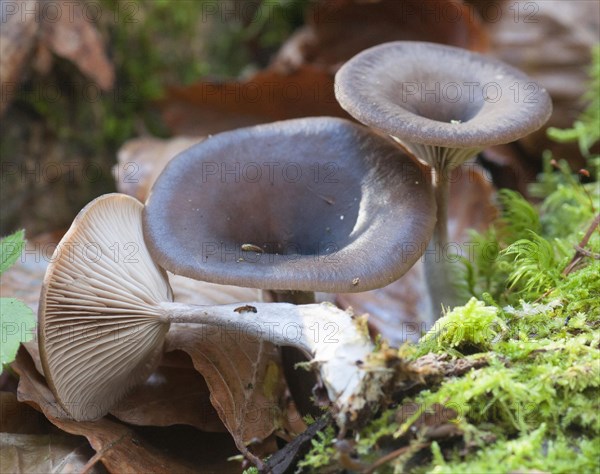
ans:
(314, 204)
(100, 329)
(437, 95)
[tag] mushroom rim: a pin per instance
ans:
(301, 270)
(407, 126)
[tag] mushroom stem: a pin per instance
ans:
(292, 296)
(338, 344)
(442, 193)
(437, 266)
(313, 328)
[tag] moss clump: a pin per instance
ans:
(471, 327)
(322, 453)
(533, 451)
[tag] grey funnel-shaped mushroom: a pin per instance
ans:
(315, 204)
(443, 104)
(106, 307)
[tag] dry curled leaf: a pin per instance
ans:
(171, 395)
(244, 377)
(208, 107)
(118, 447)
(400, 311)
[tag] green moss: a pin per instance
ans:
(532, 452)
(580, 292)
(473, 326)
(535, 266)
(382, 427)
(322, 453)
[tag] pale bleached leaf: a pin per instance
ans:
(47, 453)
(141, 160)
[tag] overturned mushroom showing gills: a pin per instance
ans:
(101, 328)
(104, 316)
(315, 204)
(443, 104)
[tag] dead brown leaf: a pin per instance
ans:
(19, 418)
(244, 377)
(551, 41)
(116, 445)
(208, 107)
(170, 396)
(33, 350)
(337, 30)
(399, 312)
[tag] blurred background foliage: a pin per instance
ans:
(60, 118)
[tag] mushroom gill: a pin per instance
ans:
(100, 327)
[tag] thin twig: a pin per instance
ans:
(393, 455)
(587, 253)
(578, 254)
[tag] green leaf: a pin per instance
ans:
(17, 324)
(10, 249)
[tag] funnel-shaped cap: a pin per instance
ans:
(443, 103)
(100, 327)
(316, 204)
